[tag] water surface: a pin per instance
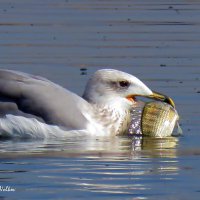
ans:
(66, 41)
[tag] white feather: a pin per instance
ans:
(22, 127)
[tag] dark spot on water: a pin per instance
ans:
(4, 10)
(187, 168)
(128, 19)
(8, 163)
(180, 81)
(163, 65)
(197, 191)
(198, 91)
(196, 154)
(12, 171)
(54, 38)
(188, 129)
(31, 24)
(83, 71)
(170, 7)
(20, 171)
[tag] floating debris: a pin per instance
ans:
(83, 71)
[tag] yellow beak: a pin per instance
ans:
(162, 97)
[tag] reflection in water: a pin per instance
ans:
(83, 145)
(88, 166)
(159, 143)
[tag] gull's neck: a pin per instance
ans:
(113, 115)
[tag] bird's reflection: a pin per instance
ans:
(81, 146)
(119, 165)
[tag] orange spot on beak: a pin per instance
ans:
(131, 98)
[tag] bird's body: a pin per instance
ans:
(30, 104)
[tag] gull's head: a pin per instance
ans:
(110, 84)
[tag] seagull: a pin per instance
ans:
(33, 106)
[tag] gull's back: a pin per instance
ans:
(32, 96)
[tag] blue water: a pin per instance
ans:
(157, 41)
(108, 169)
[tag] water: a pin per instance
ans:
(158, 41)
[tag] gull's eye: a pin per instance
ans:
(124, 84)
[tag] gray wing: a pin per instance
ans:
(29, 95)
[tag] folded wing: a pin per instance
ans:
(33, 96)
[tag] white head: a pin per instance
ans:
(109, 85)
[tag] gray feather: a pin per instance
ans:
(27, 95)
